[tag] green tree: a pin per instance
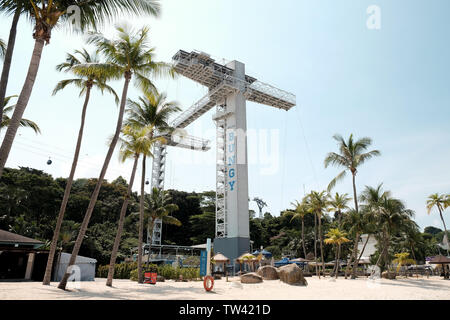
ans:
(441, 202)
(6, 120)
(16, 8)
(136, 141)
(129, 55)
(152, 109)
(336, 237)
(318, 204)
(352, 155)
(402, 259)
(97, 80)
(337, 204)
(158, 206)
(300, 212)
(45, 16)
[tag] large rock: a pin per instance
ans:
(268, 273)
(251, 278)
(292, 274)
(388, 275)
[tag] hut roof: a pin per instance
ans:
(246, 256)
(220, 258)
(8, 238)
(440, 260)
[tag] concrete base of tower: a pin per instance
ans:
(232, 248)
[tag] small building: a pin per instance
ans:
(21, 258)
(85, 268)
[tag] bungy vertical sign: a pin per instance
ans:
(208, 257)
(203, 255)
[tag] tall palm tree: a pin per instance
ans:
(17, 8)
(46, 15)
(6, 120)
(336, 237)
(135, 142)
(157, 205)
(318, 204)
(127, 56)
(351, 155)
(337, 204)
(441, 202)
(300, 211)
(94, 79)
(151, 109)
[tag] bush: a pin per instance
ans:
(121, 271)
(169, 272)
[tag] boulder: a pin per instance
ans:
(160, 278)
(268, 273)
(292, 274)
(251, 278)
(388, 275)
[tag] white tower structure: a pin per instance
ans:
(229, 89)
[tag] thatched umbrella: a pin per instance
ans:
(245, 258)
(220, 258)
(444, 261)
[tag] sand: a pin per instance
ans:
(410, 289)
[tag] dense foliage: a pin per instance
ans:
(30, 200)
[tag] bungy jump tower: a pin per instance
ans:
(229, 89)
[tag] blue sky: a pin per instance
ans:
(389, 84)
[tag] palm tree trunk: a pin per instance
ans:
(315, 245)
(123, 211)
(48, 269)
(445, 228)
(337, 260)
(22, 103)
(355, 198)
(8, 57)
(321, 244)
(364, 247)
(356, 262)
(152, 224)
(303, 237)
(141, 223)
(94, 196)
(353, 255)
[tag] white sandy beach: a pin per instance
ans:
(361, 289)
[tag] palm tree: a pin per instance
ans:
(46, 15)
(2, 49)
(351, 156)
(157, 205)
(300, 211)
(318, 204)
(441, 202)
(6, 120)
(135, 141)
(402, 259)
(354, 222)
(337, 204)
(390, 219)
(85, 83)
(337, 238)
(151, 109)
(128, 56)
(16, 8)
